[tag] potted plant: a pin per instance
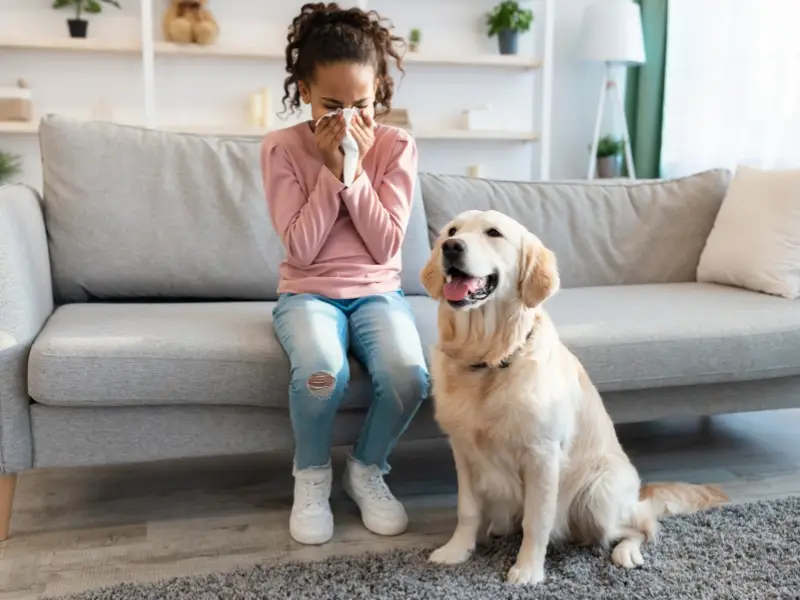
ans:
(414, 38)
(10, 166)
(79, 26)
(507, 20)
(609, 157)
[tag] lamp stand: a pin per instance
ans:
(607, 85)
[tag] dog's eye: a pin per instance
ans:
(451, 232)
(493, 232)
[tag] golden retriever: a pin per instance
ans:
(532, 442)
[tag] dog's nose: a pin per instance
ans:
(453, 249)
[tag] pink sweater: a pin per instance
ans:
(339, 242)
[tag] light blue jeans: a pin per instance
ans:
(316, 333)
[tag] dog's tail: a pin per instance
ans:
(676, 498)
(657, 500)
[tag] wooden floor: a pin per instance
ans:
(82, 528)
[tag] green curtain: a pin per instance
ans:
(644, 91)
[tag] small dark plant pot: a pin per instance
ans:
(78, 27)
(609, 167)
(509, 41)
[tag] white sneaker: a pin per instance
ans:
(381, 512)
(312, 520)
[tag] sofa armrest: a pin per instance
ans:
(26, 301)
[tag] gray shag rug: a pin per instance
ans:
(747, 552)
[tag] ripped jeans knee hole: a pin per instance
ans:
(321, 385)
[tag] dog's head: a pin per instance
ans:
(485, 256)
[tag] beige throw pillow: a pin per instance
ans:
(755, 241)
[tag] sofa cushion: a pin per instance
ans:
(135, 213)
(659, 335)
(166, 354)
(628, 337)
(755, 241)
(646, 336)
(603, 232)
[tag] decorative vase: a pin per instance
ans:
(413, 46)
(508, 40)
(609, 167)
(77, 27)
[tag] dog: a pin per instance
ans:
(532, 442)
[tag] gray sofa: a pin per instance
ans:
(136, 296)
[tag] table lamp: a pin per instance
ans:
(611, 32)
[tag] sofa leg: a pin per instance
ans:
(7, 485)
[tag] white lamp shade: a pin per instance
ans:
(611, 31)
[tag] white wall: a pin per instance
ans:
(575, 96)
(216, 91)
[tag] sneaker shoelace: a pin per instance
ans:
(313, 494)
(376, 487)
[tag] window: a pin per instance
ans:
(732, 85)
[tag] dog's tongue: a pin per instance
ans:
(460, 287)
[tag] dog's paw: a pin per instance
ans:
(525, 574)
(450, 554)
(627, 555)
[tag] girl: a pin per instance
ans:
(339, 287)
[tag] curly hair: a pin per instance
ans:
(324, 34)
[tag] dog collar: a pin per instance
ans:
(506, 362)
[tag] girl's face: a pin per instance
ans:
(340, 85)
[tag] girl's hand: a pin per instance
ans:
(328, 135)
(364, 134)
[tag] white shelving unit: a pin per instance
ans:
(243, 52)
(421, 134)
(148, 49)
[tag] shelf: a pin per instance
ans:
(167, 49)
(464, 134)
(247, 132)
(19, 127)
(474, 60)
(72, 45)
(217, 51)
(422, 134)
(216, 131)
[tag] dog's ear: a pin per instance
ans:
(431, 274)
(538, 274)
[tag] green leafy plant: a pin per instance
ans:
(609, 146)
(91, 7)
(415, 36)
(10, 166)
(509, 15)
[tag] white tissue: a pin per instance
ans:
(348, 146)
